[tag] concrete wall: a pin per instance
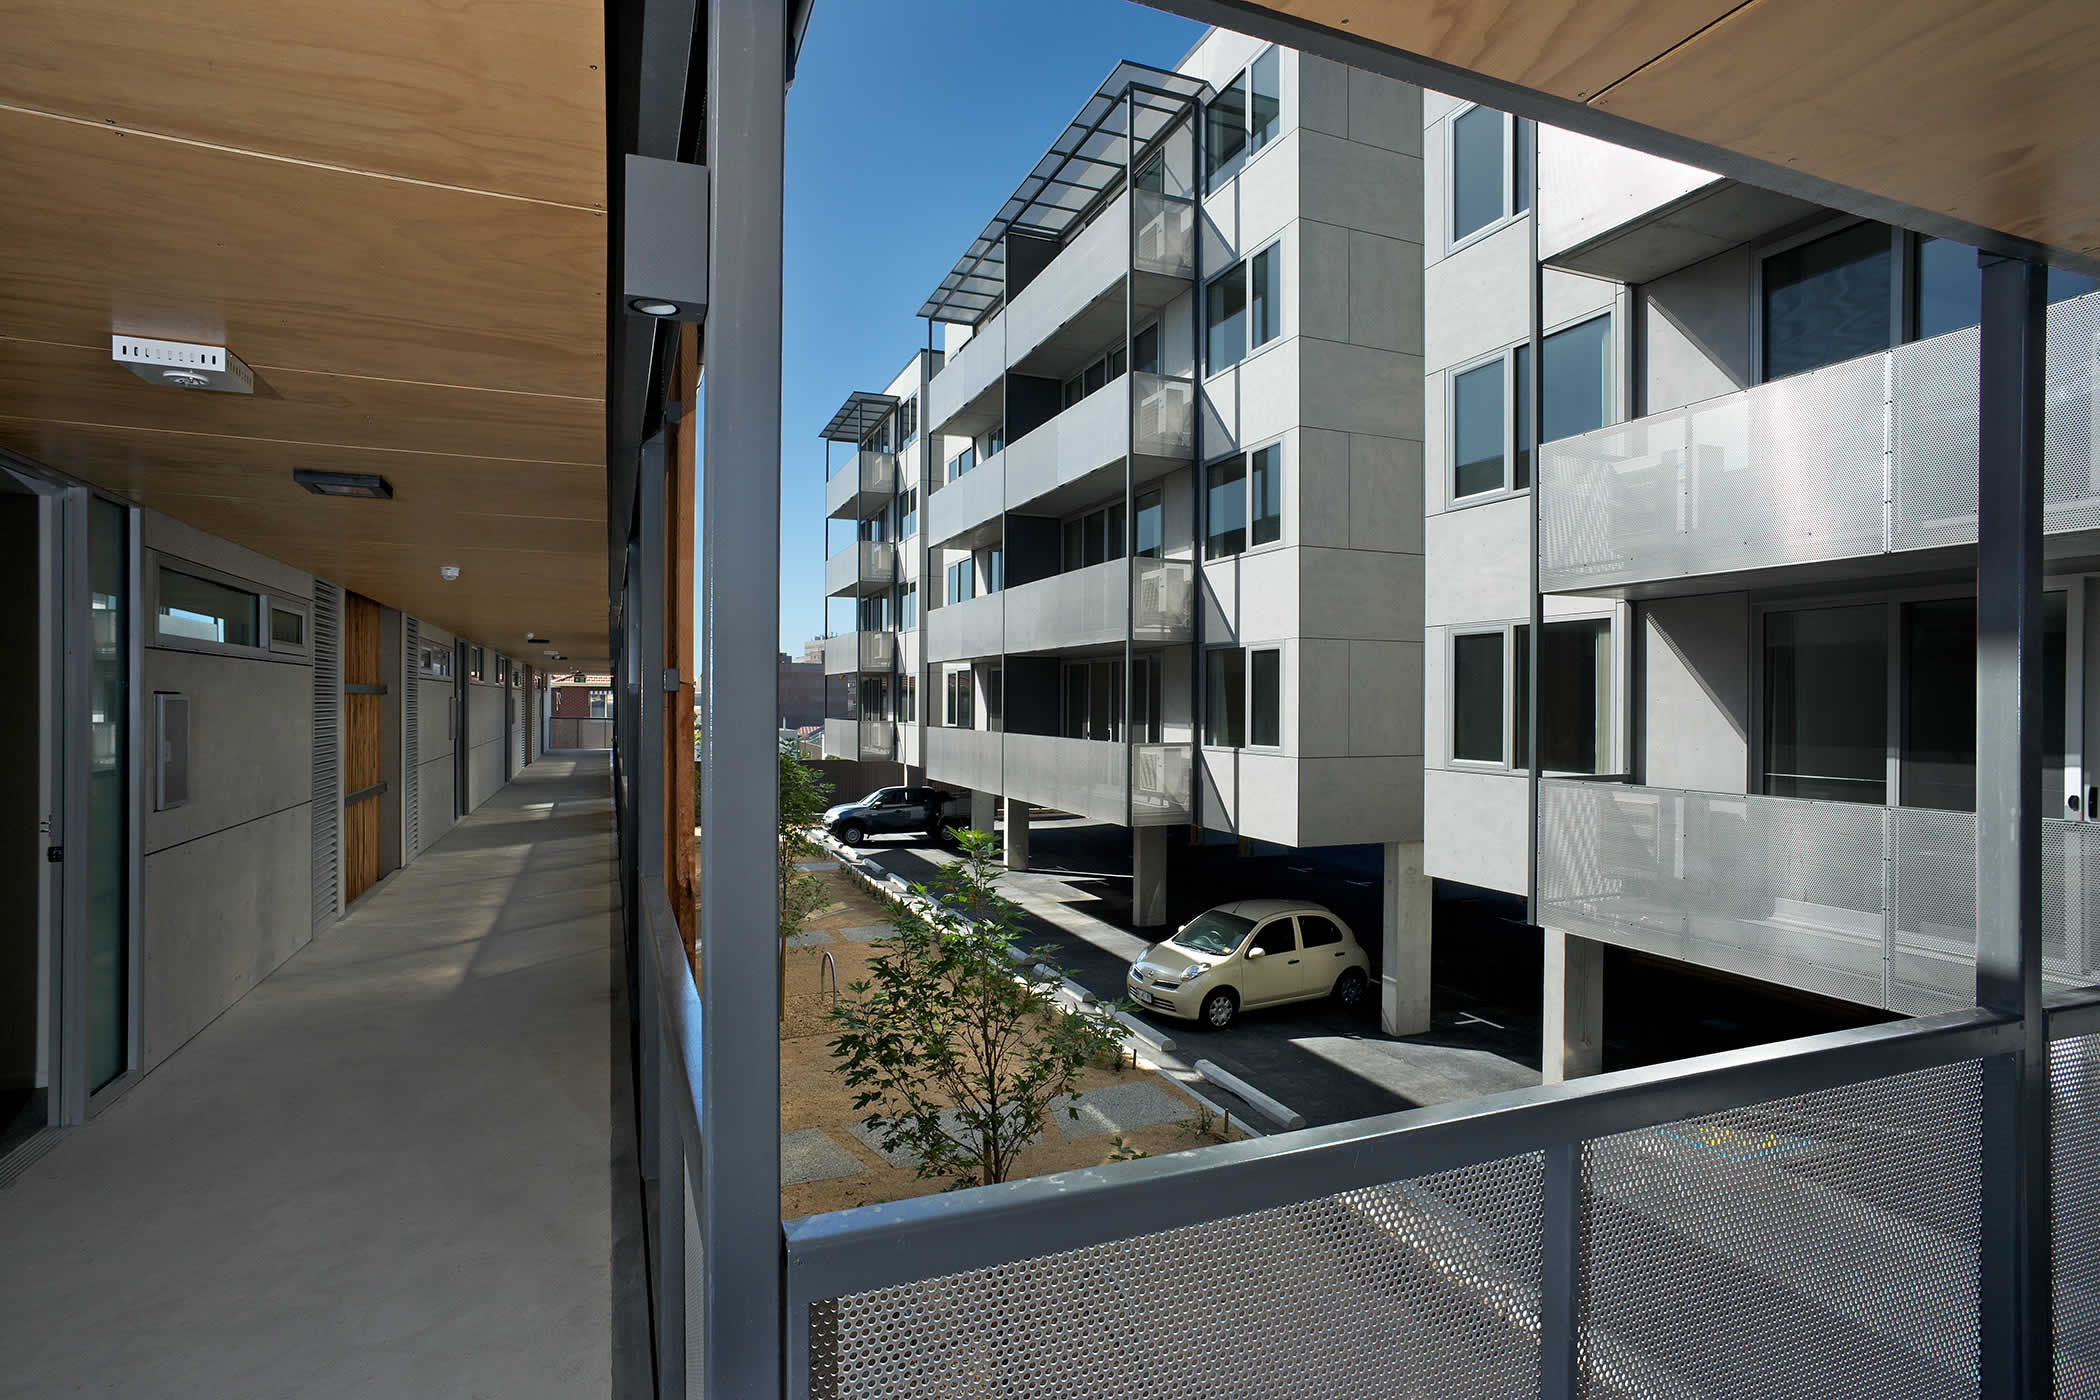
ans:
(434, 747)
(1695, 333)
(226, 879)
(1694, 706)
(484, 739)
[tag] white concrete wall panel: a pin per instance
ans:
(1361, 187)
(1358, 593)
(1479, 562)
(222, 911)
(1477, 827)
(1696, 701)
(1358, 799)
(1479, 300)
(1356, 389)
(1696, 325)
(485, 743)
(251, 742)
(1589, 187)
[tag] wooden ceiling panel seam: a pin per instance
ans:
(461, 92)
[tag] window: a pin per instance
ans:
(1144, 350)
(1243, 309)
(1150, 518)
(993, 563)
(601, 704)
(1265, 699)
(195, 609)
(874, 529)
(1947, 288)
(1477, 697)
(1476, 430)
(1938, 694)
(1225, 697)
(908, 605)
(908, 514)
(1101, 373)
(961, 462)
(1275, 938)
(1225, 508)
(874, 697)
(1491, 406)
(1828, 300)
(907, 420)
(436, 662)
(477, 664)
(1093, 700)
(1093, 538)
(287, 628)
(994, 697)
(1826, 704)
(961, 712)
(907, 698)
(1490, 170)
(961, 583)
(1575, 688)
(1266, 495)
(1246, 116)
(1318, 931)
(873, 614)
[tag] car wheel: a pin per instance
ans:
(853, 833)
(1218, 1009)
(1351, 988)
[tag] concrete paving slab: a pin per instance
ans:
(813, 1155)
(809, 938)
(866, 934)
(1120, 1108)
(816, 865)
(902, 1158)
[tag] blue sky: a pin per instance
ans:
(908, 125)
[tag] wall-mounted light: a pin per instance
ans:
(370, 488)
(655, 308)
(448, 572)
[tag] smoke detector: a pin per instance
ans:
(183, 366)
(448, 572)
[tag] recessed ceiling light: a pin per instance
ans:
(655, 308)
(371, 488)
(448, 572)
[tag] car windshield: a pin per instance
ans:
(1215, 932)
(871, 799)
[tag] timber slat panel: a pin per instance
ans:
(362, 767)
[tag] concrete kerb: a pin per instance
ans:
(1233, 1084)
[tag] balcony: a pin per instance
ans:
(1873, 904)
(1074, 304)
(862, 487)
(1872, 457)
(1054, 467)
(1093, 606)
(863, 566)
(964, 513)
(967, 758)
(1090, 779)
(851, 653)
(963, 398)
(972, 628)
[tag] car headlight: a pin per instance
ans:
(1192, 972)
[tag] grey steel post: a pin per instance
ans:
(1129, 541)
(1199, 479)
(1560, 1257)
(2015, 1327)
(1534, 395)
(739, 1182)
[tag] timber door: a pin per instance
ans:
(364, 691)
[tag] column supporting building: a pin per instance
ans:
(1403, 994)
(1574, 1011)
(1148, 876)
(1016, 834)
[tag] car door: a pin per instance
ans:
(1325, 951)
(890, 809)
(1277, 974)
(912, 810)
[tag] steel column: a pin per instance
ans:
(739, 1180)
(2015, 1285)
(1533, 391)
(1560, 1269)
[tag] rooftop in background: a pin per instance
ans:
(1084, 161)
(857, 416)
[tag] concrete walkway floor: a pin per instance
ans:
(387, 1171)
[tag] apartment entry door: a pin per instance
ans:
(364, 779)
(69, 822)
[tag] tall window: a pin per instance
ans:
(1265, 495)
(908, 605)
(1246, 116)
(994, 696)
(1144, 350)
(907, 420)
(1490, 173)
(908, 514)
(1093, 538)
(1477, 697)
(1243, 309)
(1491, 406)
(907, 698)
(1265, 698)
(1225, 697)
(993, 565)
(1826, 704)
(961, 462)
(1150, 524)
(1828, 300)
(960, 708)
(961, 582)
(1093, 700)
(601, 704)
(1575, 691)
(1225, 508)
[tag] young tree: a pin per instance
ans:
(803, 798)
(960, 1059)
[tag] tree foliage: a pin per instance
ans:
(803, 797)
(960, 1059)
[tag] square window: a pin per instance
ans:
(1477, 697)
(1478, 184)
(1476, 430)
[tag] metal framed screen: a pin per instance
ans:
(411, 739)
(327, 811)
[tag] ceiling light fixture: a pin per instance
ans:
(655, 308)
(370, 488)
(181, 365)
(448, 572)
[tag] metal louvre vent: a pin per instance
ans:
(326, 809)
(1426, 1287)
(1821, 1245)
(2074, 1131)
(411, 739)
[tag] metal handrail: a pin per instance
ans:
(876, 1246)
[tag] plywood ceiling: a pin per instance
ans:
(393, 211)
(1980, 110)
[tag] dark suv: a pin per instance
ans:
(886, 810)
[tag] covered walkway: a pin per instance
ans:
(390, 1170)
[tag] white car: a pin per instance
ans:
(1256, 952)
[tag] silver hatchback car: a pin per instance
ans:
(1255, 952)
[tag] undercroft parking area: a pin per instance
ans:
(1330, 1065)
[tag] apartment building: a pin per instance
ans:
(1142, 542)
(1756, 502)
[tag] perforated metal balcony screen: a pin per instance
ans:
(1423, 1288)
(2074, 1093)
(1820, 1245)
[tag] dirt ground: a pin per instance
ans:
(814, 1095)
